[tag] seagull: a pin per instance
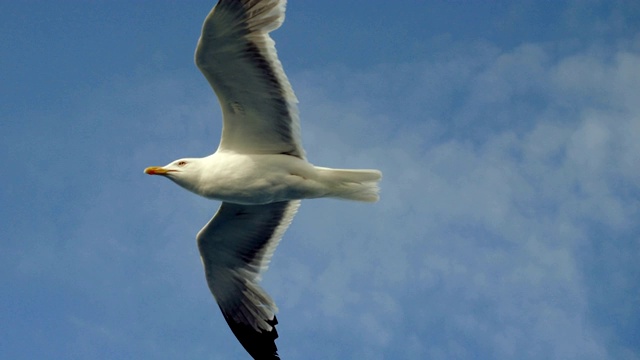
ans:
(259, 171)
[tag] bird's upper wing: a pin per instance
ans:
(236, 247)
(238, 57)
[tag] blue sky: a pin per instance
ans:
(508, 224)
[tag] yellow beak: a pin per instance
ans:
(155, 170)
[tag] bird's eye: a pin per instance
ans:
(182, 163)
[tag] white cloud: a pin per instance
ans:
(483, 237)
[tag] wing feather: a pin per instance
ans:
(238, 57)
(236, 247)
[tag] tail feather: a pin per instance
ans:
(350, 184)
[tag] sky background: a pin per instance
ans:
(507, 228)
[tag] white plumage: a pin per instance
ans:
(259, 170)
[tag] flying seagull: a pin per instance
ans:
(259, 171)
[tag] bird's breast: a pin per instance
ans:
(253, 179)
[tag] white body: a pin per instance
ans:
(255, 179)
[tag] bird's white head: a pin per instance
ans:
(184, 172)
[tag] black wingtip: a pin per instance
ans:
(260, 345)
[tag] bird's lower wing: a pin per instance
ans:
(236, 247)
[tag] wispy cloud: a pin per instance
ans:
(485, 238)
